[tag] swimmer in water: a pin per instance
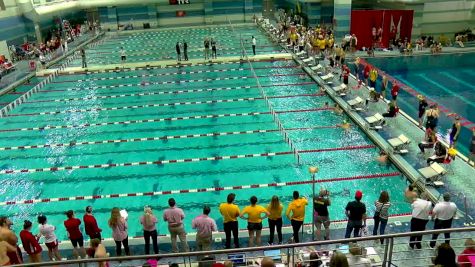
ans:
(382, 158)
(345, 125)
(410, 194)
(326, 105)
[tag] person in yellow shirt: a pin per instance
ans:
(275, 219)
(297, 209)
(373, 76)
(230, 212)
(254, 220)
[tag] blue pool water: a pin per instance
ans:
(445, 79)
(70, 102)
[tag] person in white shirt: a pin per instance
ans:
(51, 242)
(421, 208)
(443, 212)
(123, 56)
(254, 43)
(356, 258)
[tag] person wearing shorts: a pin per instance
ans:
(51, 242)
(422, 108)
(254, 220)
(320, 207)
(123, 56)
(75, 235)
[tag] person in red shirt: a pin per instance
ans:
(90, 224)
(75, 235)
(395, 91)
(30, 242)
(463, 259)
(345, 73)
(367, 69)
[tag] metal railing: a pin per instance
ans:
(292, 253)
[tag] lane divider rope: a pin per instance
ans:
(212, 116)
(200, 190)
(163, 74)
(154, 105)
(166, 137)
(167, 92)
(172, 161)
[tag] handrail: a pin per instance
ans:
(252, 249)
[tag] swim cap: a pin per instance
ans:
(359, 194)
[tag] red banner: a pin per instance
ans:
(379, 27)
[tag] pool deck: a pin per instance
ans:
(458, 181)
(162, 63)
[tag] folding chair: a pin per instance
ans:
(400, 144)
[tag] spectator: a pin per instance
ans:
(454, 133)
(213, 49)
(119, 227)
(381, 214)
(384, 85)
(373, 76)
(469, 251)
(123, 55)
(432, 117)
(392, 110)
(83, 58)
(230, 212)
(410, 194)
(353, 43)
(178, 53)
(228, 264)
(90, 224)
(421, 209)
(174, 216)
(422, 108)
(74, 234)
(443, 212)
(6, 234)
(99, 251)
(321, 214)
(315, 260)
(445, 256)
(440, 153)
(51, 242)
(429, 140)
(338, 259)
(356, 212)
(206, 45)
(185, 50)
(254, 220)
(30, 243)
(254, 43)
(395, 91)
(275, 219)
(355, 258)
(149, 222)
(458, 40)
(267, 262)
(472, 147)
(205, 227)
(5, 248)
(297, 208)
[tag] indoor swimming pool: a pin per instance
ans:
(184, 128)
